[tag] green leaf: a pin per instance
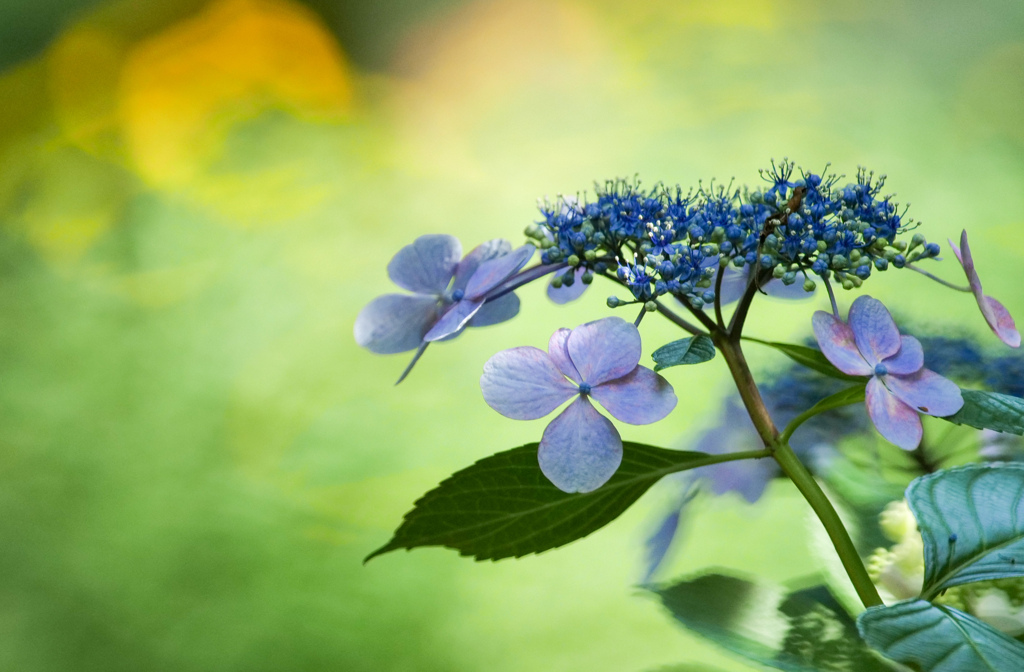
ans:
(694, 350)
(936, 638)
(804, 631)
(503, 506)
(809, 357)
(990, 410)
(972, 524)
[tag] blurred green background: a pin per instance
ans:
(196, 199)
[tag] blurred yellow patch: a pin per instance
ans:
(182, 91)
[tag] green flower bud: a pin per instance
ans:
(650, 306)
(573, 260)
(809, 285)
(779, 271)
(587, 277)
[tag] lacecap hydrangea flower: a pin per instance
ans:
(900, 387)
(580, 449)
(449, 294)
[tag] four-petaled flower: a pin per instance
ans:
(448, 294)
(900, 387)
(998, 318)
(580, 449)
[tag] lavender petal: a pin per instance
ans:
(639, 398)
(395, 322)
(456, 317)
(838, 344)
(874, 330)
(927, 392)
(908, 360)
(605, 349)
(895, 421)
(559, 354)
(493, 272)
(580, 449)
(566, 293)
(498, 310)
(492, 249)
(524, 384)
(426, 266)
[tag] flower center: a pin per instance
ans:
(880, 369)
(584, 388)
(457, 295)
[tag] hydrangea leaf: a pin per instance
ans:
(503, 506)
(804, 631)
(972, 524)
(693, 350)
(809, 357)
(990, 410)
(936, 638)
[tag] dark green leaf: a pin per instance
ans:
(936, 638)
(805, 631)
(809, 357)
(972, 523)
(991, 410)
(503, 506)
(693, 350)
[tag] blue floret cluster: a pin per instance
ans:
(664, 241)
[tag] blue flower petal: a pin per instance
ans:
(581, 449)
(492, 249)
(838, 344)
(896, 421)
(908, 360)
(605, 349)
(926, 392)
(639, 398)
(427, 265)
(395, 322)
(559, 353)
(524, 384)
(492, 273)
(456, 318)
(498, 310)
(874, 330)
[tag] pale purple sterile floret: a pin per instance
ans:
(900, 387)
(449, 294)
(998, 318)
(580, 449)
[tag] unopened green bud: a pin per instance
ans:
(900, 245)
(573, 260)
(545, 243)
(590, 255)
(809, 285)
(854, 256)
(650, 306)
(838, 261)
(718, 234)
(789, 278)
(587, 277)
(917, 240)
(613, 301)
(889, 254)
(847, 283)
(857, 282)
(822, 246)
(779, 271)
(710, 250)
(556, 281)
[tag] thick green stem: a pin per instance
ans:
(795, 470)
(808, 487)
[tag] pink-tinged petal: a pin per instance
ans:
(896, 421)
(457, 316)
(566, 293)
(927, 392)
(908, 360)
(873, 329)
(492, 249)
(492, 273)
(395, 322)
(639, 398)
(605, 349)
(995, 314)
(559, 353)
(427, 265)
(524, 384)
(837, 343)
(580, 449)
(498, 310)
(1001, 322)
